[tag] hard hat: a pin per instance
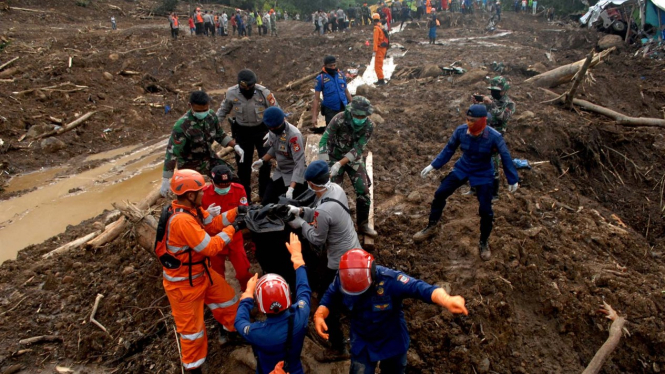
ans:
(376, 16)
(272, 294)
(186, 180)
(356, 268)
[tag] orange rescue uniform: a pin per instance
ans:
(379, 37)
(192, 237)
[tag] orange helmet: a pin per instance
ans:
(376, 16)
(185, 180)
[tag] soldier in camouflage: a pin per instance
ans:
(501, 108)
(342, 146)
(190, 144)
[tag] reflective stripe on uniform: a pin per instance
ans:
(179, 279)
(225, 221)
(194, 364)
(204, 243)
(208, 219)
(176, 249)
(225, 304)
(225, 237)
(193, 336)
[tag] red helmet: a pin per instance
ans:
(356, 268)
(185, 180)
(272, 294)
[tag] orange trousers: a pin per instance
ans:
(378, 62)
(187, 308)
(238, 259)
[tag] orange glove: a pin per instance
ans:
(251, 286)
(279, 368)
(320, 321)
(455, 304)
(296, 252)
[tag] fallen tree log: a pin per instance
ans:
(71, 245)
(616, 330)
(8, 63)
(621, 119)
(145, 224)
(570, 95)
(295, 84)
(565, 73)
(67, 127)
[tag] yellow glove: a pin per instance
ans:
(296, 252)
(455, 304)
(320, 321)
(251, 286)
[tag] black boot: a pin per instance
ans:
(362, 218)
(381, 82)
(195, 371)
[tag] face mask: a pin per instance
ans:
(200, 115)
(496, 94)
(477, 127)
(358, 122)
(247, 93)
(222, 191)
(326, 186)
(331, 72)
(278, 130)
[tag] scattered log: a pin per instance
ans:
(312, 148)
(40, 339)
(71, 245)
(8, 62)
(49, 88)
(55, 120)
(117, 8)
(621, 119)
(616, 330)
(7, 80)
(13, 369)
(570, 95)
(29, 10)
(564, 74)
(231, 50)
(94, 311)
(129, 72)
(369, 165)
(295, 84)
(145, 224)
(67, 127)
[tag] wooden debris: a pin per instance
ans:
(129, 72)
(369, 166)
(312, 148)
(68, 127)
(117, 8)
(145, 225)
(94, 311)
(616, 330)
(52, 88)
(564, 74)
(71, 245)
(570, 95)
(297, 83)
(40, 339)
(8, 62)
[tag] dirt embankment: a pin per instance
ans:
(584, 228)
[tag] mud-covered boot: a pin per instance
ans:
(425, 233)
(229, 337)
(381, 82)
(195, 371)
(362, 219)
(333, 354)
(484, 249)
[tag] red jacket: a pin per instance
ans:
(234, 198)
(191, 23)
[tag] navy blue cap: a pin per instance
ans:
(273, 117)
(477, 111)
(318, 172)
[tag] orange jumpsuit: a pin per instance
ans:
(193, 283)
(379, 38)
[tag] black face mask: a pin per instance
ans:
(331, 72)
(247, 93)
(496, 94)
(278, 130)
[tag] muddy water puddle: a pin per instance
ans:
(38, 215)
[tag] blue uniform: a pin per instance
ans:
(476, 161)
(268, 338)
(377, 318)
(334, 90)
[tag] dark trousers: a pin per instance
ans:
(361, 364)
(449, 184)
(333, 320)
(276, 188)
(174, 33)
(249, 30)
(340, 24)
(329, 113)
(249, 138)
(209, 29)
(199, 28)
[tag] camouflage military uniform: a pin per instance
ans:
(501, 110)
(341, 140)
(190, 144)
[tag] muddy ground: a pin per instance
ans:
(585, 227)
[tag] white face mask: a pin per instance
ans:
(325, 186)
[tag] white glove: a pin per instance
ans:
(240, 152)
(513, 187)
(289, 193)
(257, 164)
(165, 188)
(296, 223)
(373, 54)
(426, 171)
(265, 140)
(214, 210)
(294, 210)
(335, 169)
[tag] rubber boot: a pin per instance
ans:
(425, 233)
(495, 189)
(381, 82)
(362, 218)
(195, 371)
(484, 249)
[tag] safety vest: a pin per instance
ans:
(199, 18)
(175, 22)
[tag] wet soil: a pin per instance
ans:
(585, 227)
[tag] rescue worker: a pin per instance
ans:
(331, 83)
(248, 100)
(190, 144)
(329, 226)
(173, 21)
(273, 23)
(198, 20)
(342, 146)
(478, 142)
(380, 48)
(190, 236)
(282, 335)
(192, 26)
(286, 146)
(220, 196)
(209, 24)
(501, 108)
(259, 22)
(373, 296)
(365, 14)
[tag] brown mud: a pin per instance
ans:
(585, 227)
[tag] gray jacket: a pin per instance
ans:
(289, 152)
(331, 225)
(247, 112)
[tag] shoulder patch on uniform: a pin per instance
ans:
(294, 144)
(403, 278)
(315, 222)
(271, 100)
(243, 200)
(246, 330)
(301, 304)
